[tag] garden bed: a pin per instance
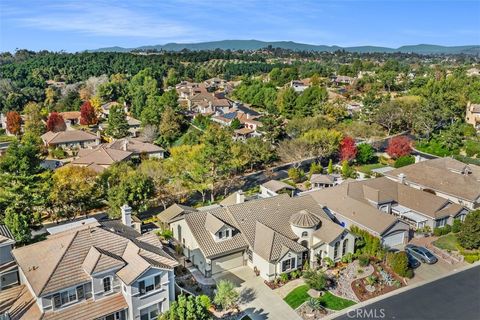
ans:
(386, 281)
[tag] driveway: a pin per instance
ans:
(256, 299)
(426, 272)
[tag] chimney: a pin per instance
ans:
(126, 215)
(240, 197)
(125, 145)
(401, 178)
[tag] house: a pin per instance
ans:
(172, 213)
(324, 180)
(472, 115)
(208, 103)
(299, 85)
(70, 139)
(343, 80)
(90, 272)
(71, 117)
(445, 177)
(274, 188)
(8, 267)
(274, 235)
(348, 206)
(103, 156)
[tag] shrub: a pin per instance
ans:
(226, 295)
(371, 280)
(404, 161)
(296, 174)
(447, 229)
(367, 243)
(314, 303)
(294, 274)
(442, 231)
(205, 301)
(328, 262)
(284, 277)
(471, 258)
(457, 223)
(399, 146)
(437, 232)
(409, 274)
(315, 279)
(398, 262)
(58, 153)
(469, 235)
(365, 153)
(347, 258)
(315, 168)
(364, 260)
(178, 248)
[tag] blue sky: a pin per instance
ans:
(75, 25)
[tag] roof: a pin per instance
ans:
(213, 224)
(276, 185)
(244, 131)
(328, 231)
(89, 309)
(443, 174)
(271, 245)
(5, 234)
(135, 145)
(322, 178)
(51, 137)
(19, 303)
(232, 198)
(61, 260)
(304, 219)
(70, 115)
(174, 211)
(338, 200)
(102, 155)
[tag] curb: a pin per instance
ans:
(395, 292)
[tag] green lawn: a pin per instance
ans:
(447, 242)
(367, 168)
(333, 302)
(299, 295)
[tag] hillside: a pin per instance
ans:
(256, 44)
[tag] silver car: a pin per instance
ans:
(421, 253)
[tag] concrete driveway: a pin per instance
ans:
(256, 299)
(426, 272)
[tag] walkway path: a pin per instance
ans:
(256, 299)
(285, 289)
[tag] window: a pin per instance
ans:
(149, 284)
(227, 233)
(288, 264)
(151, 313)
(441, 223)
(335, 250)
(344, 247)
(107, 284)
(304, 233)
(250, 255)
(220, 234)
(68, 296)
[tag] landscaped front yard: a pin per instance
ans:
(330, 301)
(367, 168)
(447, 242)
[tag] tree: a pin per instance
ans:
(235, 124)
(134, 189)
(14, 122)
(18, 223)
(404, 161)
(348, 149)
(469, 235)
(170, 126)
(87, 114)
(74, 190)
(117, 122)
(365, 153)
(33, 119)
(399, 146)
(188, 308)
(55, 122)
(294, 150)
(226, 295)
(315, 279)
(347, 171)
(398, 261)
(323, 142)
(330, 166)
(286, 102)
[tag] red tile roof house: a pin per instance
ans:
(91, 272)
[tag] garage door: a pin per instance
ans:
(227, 262)
(394, 239)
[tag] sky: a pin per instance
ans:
(77, 25)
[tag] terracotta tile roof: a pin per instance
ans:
(443, 174)
(90, 309)
(19, 303)
(68, 136)
(60, 261)
(70, 115)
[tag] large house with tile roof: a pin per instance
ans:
(273, 235)
(445, 177)
(91, 272)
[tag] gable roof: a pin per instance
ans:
(102, 155)
(328, 231)
(174, 211)
(277, 185)
(271, 245)
(134, 145)
(5, 234)
(51, 137)
(443, 174)
(61, 260)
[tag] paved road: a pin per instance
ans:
(456, 297)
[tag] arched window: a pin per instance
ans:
(107, 284)
(344, 247)
(335, 249)
(304, 233)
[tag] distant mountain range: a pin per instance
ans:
(256, 44)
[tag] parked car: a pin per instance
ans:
(412, 261)
(421, 253)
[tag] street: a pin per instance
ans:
(454, 297)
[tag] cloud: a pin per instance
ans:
(100, 18)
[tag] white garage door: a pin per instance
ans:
(394, 239)
(227, 262)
